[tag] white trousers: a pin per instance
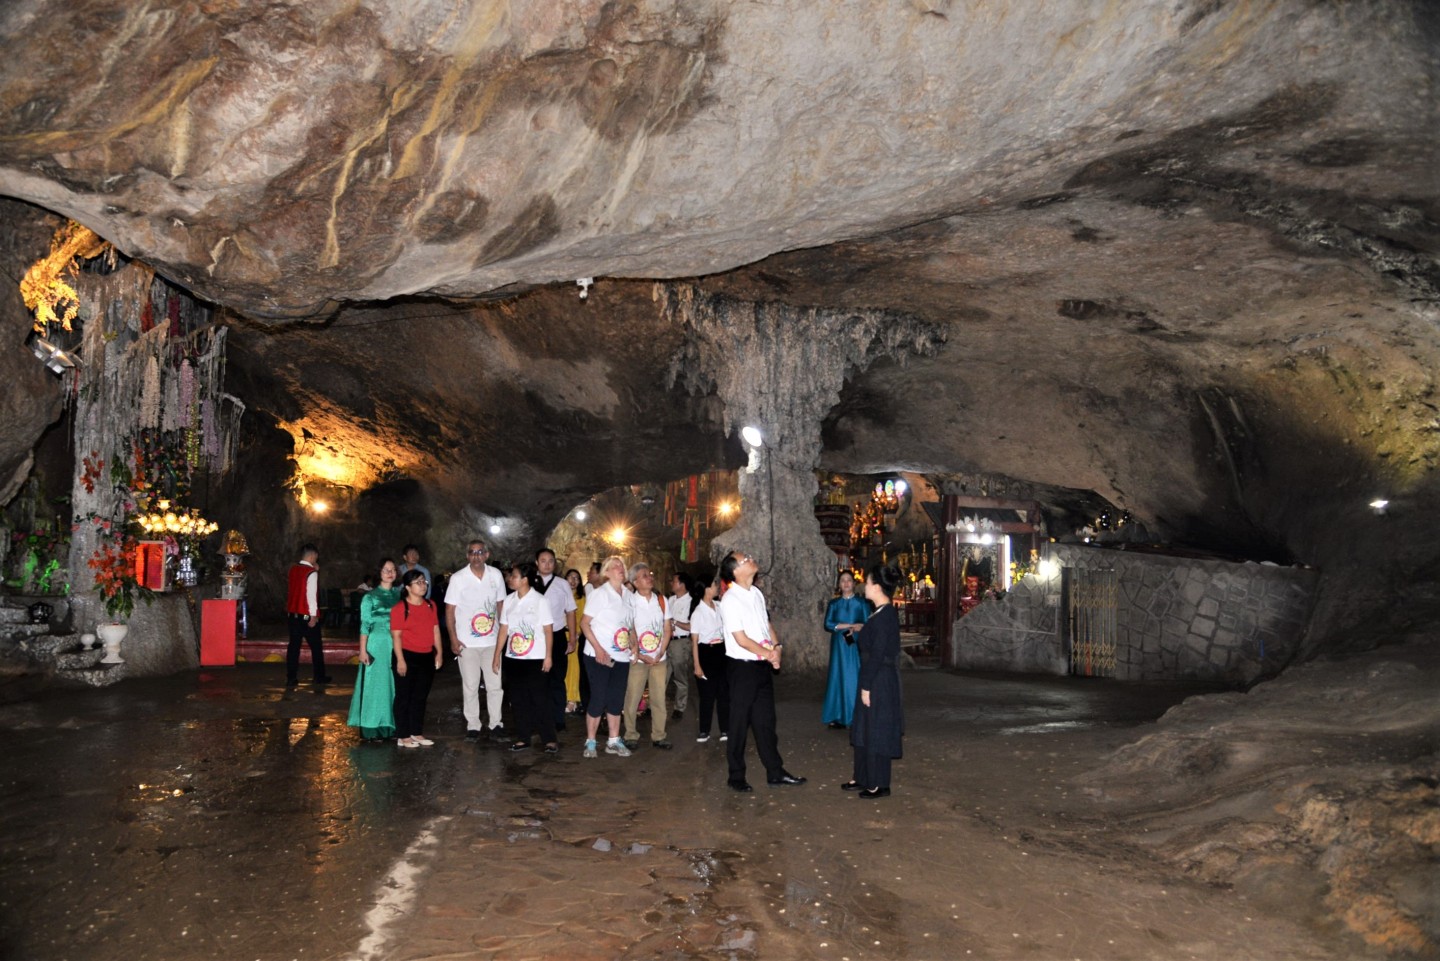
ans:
(475, 663)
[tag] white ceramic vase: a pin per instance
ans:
(87, 641)
(112, 635)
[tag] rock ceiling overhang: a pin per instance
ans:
(1170, 241)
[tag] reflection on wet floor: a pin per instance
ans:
(220, 816)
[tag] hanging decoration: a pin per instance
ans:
(47, 287)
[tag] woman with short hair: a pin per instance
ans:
(609, 640)
(707, 646)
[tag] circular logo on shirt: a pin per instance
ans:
(521, 642)
(649, 642)
(482, 624)
(622, 639)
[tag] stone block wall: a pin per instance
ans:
(1177, 618)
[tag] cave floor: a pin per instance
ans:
(216, 815)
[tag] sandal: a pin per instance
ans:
(406, 742)
(520, 746)
(552, 748)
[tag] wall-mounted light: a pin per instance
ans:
(617, 535)
(585, 283)
(1047, 568)
(754, 440)
(494, 529)
(725, 509)
(1379, 506)
(580, 515)
(319, 507)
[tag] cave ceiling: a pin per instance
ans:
(1165, 242)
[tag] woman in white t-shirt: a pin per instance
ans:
(707, 645)
(527, 640)
(609, 643)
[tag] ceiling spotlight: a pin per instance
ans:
(725, 509)
(494, 528)
(752, 436)
(319, 507)
(585, 283)
(1379, 505)
(618, 535)
(53, 357)
(580, 515)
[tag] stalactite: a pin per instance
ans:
(781, 368)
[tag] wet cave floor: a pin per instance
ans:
(218, 815)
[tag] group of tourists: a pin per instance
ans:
(612, 644)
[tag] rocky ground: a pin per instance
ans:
(217, 815)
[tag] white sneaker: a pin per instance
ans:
(590, 749)
(702, 739)
(422, 741)
(724, 737)
(406, 742)
(617, 747)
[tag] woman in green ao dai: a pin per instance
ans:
(372, 709)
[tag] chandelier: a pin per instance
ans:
(888, 494)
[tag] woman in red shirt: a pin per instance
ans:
(415, 629)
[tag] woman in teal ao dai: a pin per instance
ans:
(846, 614)
(372, 708)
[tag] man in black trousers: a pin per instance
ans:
(752, 656)
(302, 607)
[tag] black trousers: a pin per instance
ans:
(871, 770)
(560, 666)
(412, 691)
(300, 630)
(752, 708)
(715, 689)
(529, 688)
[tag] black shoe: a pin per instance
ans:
(741, 786)
(874, 792)
(323, 680)
(472, 734)
(632, 742)
(292, 682)
(785, 778)
(552, 748)
(663, 744)
(850, 786)
(677, 715)
(520, 746)
(836, 726)
(499, 734)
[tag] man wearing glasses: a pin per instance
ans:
(472, 613)
(752, 656)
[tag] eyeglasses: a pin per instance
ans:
(746, 559)
(478, 553)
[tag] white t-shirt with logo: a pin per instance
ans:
(649, 617)
(743, 609)
(477, 605)
(610, 620)
(705, 624)
(523, 624)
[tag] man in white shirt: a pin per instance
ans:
(678, 607)
(562, 613)
(472, 614)
(652, 638)
(753, 655)
(594, 579)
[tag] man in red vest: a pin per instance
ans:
(302, 605)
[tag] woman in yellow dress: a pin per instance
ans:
(573, 674)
